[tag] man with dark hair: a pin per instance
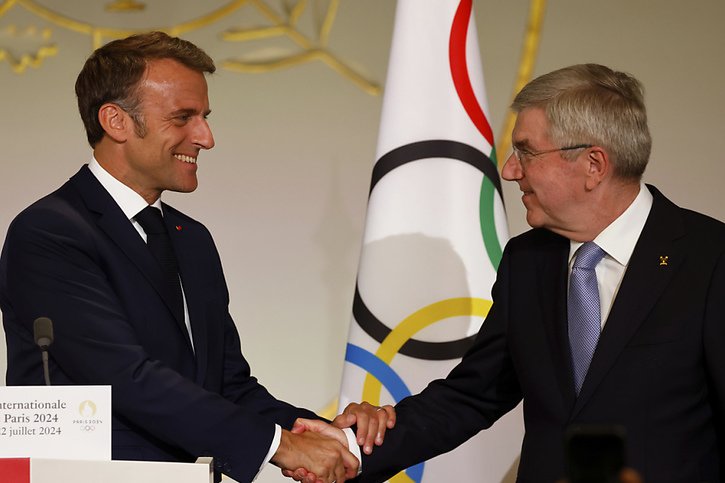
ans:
(135, 288)
(610, 311)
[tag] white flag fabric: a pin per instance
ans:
(434, 230)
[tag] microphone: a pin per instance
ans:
(43, 334)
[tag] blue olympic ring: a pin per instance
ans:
(390, 380)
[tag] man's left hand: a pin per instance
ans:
(372, 422)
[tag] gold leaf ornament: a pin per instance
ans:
(309, 47)
(26, 47)
(125, 6)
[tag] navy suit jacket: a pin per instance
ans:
(658, 370)
(74, 257)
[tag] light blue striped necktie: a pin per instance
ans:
(585, 320)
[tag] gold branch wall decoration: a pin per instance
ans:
(285, 25)
(310, 48)
(39, 39)
(100, 34)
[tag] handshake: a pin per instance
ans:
(317, 452)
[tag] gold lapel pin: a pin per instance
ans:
(663, 260)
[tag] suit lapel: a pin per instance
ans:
(120, 231)
(643, 283)
(552, 280)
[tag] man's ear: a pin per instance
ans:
(599, 166)
(115, 121)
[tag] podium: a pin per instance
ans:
(40, 470)
(52, 434)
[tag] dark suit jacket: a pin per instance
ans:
(658, 370)
(74, 257)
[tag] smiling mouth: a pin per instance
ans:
(185, 158)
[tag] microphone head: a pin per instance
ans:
(43, 332)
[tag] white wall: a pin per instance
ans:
(284, 192)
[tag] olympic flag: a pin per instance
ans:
(434, 231)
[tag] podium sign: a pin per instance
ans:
(56, 422)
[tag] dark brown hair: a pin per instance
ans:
(112, 74)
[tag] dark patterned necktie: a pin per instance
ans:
(159, 243)
(585, 320)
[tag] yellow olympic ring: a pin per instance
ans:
(405, 330)
(435, 312)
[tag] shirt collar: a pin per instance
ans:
(130, 202)
(619, 238)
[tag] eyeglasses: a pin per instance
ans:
(523, 155)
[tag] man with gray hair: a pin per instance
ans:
(609, 312)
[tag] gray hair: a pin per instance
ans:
(593, 104)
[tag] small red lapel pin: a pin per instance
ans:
(178, 228)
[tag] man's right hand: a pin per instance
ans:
(325, 459)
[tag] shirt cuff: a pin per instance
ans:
(276, 439)
(353, 447)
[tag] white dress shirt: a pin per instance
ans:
(131, 203)
(618, 241)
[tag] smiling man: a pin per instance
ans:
(609, 312)
(135, 288)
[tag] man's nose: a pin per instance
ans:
(203, 136)
(511, 170)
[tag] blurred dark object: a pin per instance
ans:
(595, 453)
